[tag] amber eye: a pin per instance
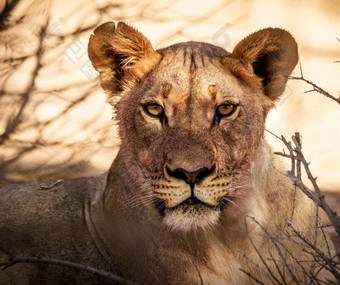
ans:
(226, 110)
(154, 109)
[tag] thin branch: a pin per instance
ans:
(199, 273)
(298, 140)
(278, 268)
(334, 219)
(293, 204)
(328, 261)
(268, 273)
(316, 88)
(24, 259)
(298, 262)
(316, 196)
(274, 241)
(339, 42)
(265, 270)
(326, 240)
(251, 276)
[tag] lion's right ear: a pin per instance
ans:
(121, 55)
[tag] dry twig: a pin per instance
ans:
(297, 157)
(14, 259)
(316, 88)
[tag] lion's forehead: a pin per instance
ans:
(189, 49)
(197, 78)
(183, 62)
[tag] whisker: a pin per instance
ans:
(141, 199)
(227, 201)
(231, 189)
(159, 207)
(135, 205)
(233, 203)
(141, 202)
(236, 195)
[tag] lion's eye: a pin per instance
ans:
(225, 110)
(153, 109)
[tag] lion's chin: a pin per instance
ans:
(187, 218)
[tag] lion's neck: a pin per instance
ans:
(270, 185)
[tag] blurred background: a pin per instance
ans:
(54, 122)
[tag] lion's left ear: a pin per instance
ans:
(272, 55)
(121, 55)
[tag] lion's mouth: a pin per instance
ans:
(190, 202)
(193, 201)
(191, 214)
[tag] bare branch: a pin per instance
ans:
(278, 268)
(25, 259)
(274, 241)
(329, 261)
(316, 196)
(339, 42)
(199, 273)
(251, 276)
(316, 88)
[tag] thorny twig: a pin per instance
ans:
(316, 88)
(265, 270)
(275, 243)
(297, 156)
(251, 276)
(329, 261)
(339, 42)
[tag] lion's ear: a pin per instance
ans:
(272, 55)
(121, 55)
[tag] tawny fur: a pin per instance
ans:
(137, 221)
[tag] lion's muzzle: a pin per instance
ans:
(190, 199)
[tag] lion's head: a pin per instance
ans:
(191, 116)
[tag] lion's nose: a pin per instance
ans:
(190, 178)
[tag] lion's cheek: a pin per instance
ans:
(147, 158)
(147, 129)
(144, 158)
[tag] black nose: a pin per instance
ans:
(190, 178)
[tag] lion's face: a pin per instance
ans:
(193, 133)
(191, 119)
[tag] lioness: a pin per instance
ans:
(195, 195)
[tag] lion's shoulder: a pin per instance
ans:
(47, 219)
